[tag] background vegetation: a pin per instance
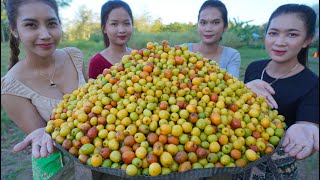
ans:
(84, 32)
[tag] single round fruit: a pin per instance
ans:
(154, 169)
(251, 155)
(131, 170)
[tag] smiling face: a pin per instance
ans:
(210, 25)
(38, 28)
(285, 37)
(118, 27)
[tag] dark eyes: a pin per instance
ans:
(272, 34)
(116, 24)
(214, 22)
(52, 24)
(292, 35)
(31, 25)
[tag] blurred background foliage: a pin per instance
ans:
(86, 27)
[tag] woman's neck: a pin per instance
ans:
(39, 62)
(117, 49)
(114, 53)
(276, 69)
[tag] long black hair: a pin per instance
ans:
(307, 15)
(12, 7)
(105, 11)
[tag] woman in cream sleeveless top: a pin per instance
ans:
(56, 165)
(10, 85)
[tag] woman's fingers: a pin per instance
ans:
(36, 150)
(286, 141)
(269, 88)
(46, 146)
(50, 147)
(305, 152)
(43, 149)
(22, 145)
(272, 101)
(295, 150)
(289, 147)
(269, 103)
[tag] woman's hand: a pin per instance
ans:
(301, 140)
(42, 143)
(262, 88)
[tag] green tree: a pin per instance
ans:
(84, 24)
(4, 25)
(178, 27)
(63, 3)
(157, 25)
(244, 30)
(142, 23)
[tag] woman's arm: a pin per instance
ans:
(22, 112)
(26, 117)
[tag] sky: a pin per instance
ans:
(185, 11)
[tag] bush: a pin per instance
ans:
(83, 44)
(96, 37)
(230, 39)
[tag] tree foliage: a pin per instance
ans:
(4, 24)
(83, 26)
(144, 23)
(246, 32)
(63, 3)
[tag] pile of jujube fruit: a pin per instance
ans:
(165, 109)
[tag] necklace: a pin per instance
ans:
(52, 84)
(280, 76)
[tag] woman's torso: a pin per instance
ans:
(97, 64)
(229, 59)
(296, 95)
(44, 105)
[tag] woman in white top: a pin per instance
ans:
(212, 23)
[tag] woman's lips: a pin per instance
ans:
(279, 53)
(45, 46)
(208, 36)
(122, 37)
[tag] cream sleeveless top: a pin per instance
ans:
(44, 105)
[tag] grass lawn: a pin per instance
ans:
(13, 164)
